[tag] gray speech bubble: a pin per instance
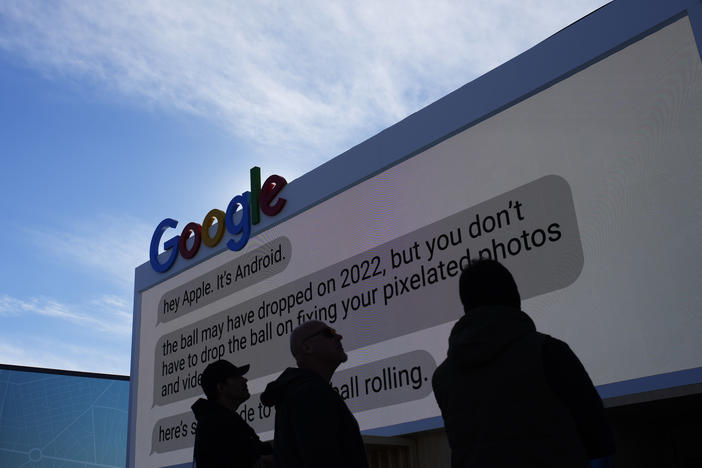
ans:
(173, 433)
(261, 263)
(386, 382)
(405, 285)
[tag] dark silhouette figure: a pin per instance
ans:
(313, 426)
(222, 438)
(509, 395)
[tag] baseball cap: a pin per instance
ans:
(219, 371)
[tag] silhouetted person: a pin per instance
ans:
(313, 426)
(509, 395)
(222, 438)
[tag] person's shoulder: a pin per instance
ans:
(313, 400)
(559, 358)
(440, 372)
(440, 380)
(554, 345)
(309, 389)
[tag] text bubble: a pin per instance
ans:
(402, 286)
(261, 263)
(387, 382)
(174, 433)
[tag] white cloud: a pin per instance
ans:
(306, 79)
(110, 245)
(40, 352)
(108, 315)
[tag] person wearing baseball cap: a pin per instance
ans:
(222, 438)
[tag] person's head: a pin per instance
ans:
(315, 344)
(225, 383)
(486, 282)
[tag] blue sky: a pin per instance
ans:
(115, 115)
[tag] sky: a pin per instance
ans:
(117, 114)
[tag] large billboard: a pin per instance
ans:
(588, 187)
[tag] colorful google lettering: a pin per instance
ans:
(261, 198)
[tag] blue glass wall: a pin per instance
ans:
(52, 420)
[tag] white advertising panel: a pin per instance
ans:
(590, 191)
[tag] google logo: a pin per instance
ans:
(252, 203)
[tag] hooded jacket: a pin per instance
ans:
(498, 407)
(313, 426)
(223, 439)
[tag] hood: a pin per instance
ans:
(291, 378)
(208, 410)
(484, 332)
